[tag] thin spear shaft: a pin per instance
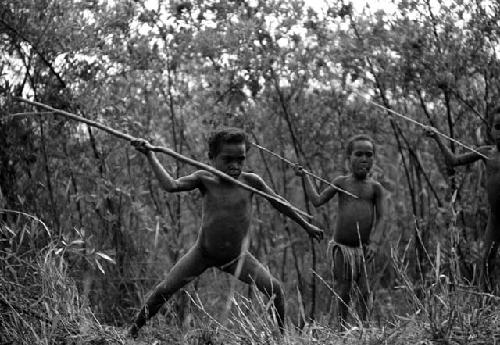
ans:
(28, 113)
(305, 171)
(420, 124)
(167, 151)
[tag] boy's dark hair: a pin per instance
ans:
(357, 137)
(226, 135)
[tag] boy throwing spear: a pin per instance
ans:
(490, 155)
(226, 218)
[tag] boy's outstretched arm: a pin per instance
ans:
(450, 158)
(312, 230)
(168, 183)
(315, 198)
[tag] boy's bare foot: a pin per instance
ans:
(133, 332)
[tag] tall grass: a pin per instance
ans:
(440, 307)
(40, 304)
(446, 307)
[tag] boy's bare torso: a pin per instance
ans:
(355, 213)
(226, 216)
(493, 188)
(493, 178)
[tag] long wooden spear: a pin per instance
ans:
(165, 150)
(366, 98)
(307, 172)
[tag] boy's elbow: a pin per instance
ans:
(316, 202)
(170, 187)
(452, 161)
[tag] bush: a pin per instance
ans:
(39, 303)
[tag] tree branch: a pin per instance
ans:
(37, 51)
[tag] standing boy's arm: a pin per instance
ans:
(257, 182)
(168, 183)
(377, 231)
(315, 198)
(450, 158)
(379, 214)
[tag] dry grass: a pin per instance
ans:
(440, 309)
(40, 304)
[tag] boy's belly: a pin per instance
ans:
(354, 225)
(222, 239)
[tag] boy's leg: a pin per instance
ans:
(364, 289)
(491, 242)
(491, 263)
(191, 265)
(342, 282)
(249, 270)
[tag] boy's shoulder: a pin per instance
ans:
(254, 180)
(341, 179)
(203, 173)
(370, 181)
(251, 177)
(246, 176)
(377, 186)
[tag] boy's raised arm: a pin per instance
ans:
(170, 184)
(311, 229)
(449, 157)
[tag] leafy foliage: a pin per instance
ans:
(290, 75)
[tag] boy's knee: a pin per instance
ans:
(275, 288)
(161, 293)
(161, 289)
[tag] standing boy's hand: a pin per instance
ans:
(430, 132)
(141, 145)
(299, 170)
(315, 232)
(371, 251)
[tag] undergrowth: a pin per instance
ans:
(40, 304)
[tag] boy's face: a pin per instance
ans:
(495, 129)
(361, 158)
(230, 159)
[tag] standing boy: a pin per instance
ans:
(358, 218)
(490, 155)
(226, 218)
